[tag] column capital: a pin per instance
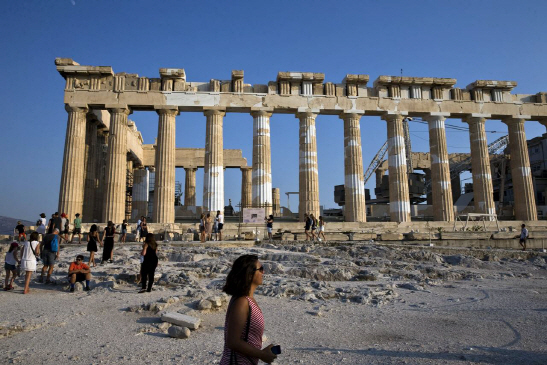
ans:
(118, 108)
(209, 111)
(305, 114)
(436, 116)
(246, 168)
(352, 113)
(474, 119)
(261, 112)
(76, 107)
(391, 116)
(190, 168)
(167, 109)
(515, 119)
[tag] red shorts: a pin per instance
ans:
(22, 234)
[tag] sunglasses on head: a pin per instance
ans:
(261, 269)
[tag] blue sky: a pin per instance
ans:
(466, 40)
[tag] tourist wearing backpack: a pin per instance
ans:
(50, 253)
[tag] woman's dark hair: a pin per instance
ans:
(34, 236)
(93, 228)
(239, 279)
(151, 241)
(43, 215)
(110, 224)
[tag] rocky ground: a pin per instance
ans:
(352, 302)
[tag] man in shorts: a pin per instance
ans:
(523, 237)
(77, 228)
(49, 255)
(77, 272)
(220, 219)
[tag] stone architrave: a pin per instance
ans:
(190, 189)
(91, 178)
(141, 187)
(354, 185)
(399, 201)
(164, 185)
(483, 191)
(116, 164)
(308, 170)
(262, 161)
(71, 194)
(443, 206)
(246, 187)
(213, 179)
(523, 189)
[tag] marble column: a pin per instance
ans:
(141, 188)
(246, 187)
(521, 173)
(262, 161)
(213, 179)
(380, 173)
(100, 168)
(443, 207)
(308, 172)
(71, 194)
(354, 186)
(399, 201)
(164, 185)
(276, 202)
(91, 145)
(483, 191)
(190, 189)
(116, 164)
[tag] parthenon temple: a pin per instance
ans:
(102, 144)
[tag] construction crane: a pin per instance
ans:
(379, 157)
(455, 170)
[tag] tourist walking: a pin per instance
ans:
(50, 253)
(208, 226)
(321, 232)
(523, 237)
(31, 249)
(149, 263)
(20, 231)
(139, 233)
(269, 226)
(313, 226)
(108, 240)
(202, 227)
(124, 231)
(244, 324)
(10, 264)
(41, 224)
(220, 218)
(307, 226)
(215, 229)
(144, 228)
(92, 239)
(65, 226)
(77, 229)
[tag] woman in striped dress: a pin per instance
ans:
(244, 323)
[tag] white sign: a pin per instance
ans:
(254, 215)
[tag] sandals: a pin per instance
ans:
(142, 291)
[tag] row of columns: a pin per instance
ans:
(257, 181)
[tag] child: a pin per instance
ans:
(11, 261)
(321, 229)
(124, 231)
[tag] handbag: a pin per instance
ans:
(38, 259)
(233, 357)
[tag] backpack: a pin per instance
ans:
(54, 244)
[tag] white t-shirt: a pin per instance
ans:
(220, 218)
(10, 259)
(27, 252)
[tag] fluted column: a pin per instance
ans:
(71, 194)
(246, 187)
(190, 188)
(354, 185)
(164, 186)
(308, 172)
(262, 161)
(276, 202)
(91, 178)
(399, 201)
(213, 179)
(443, 206)
(141, 188)
(521, 173)
(116, 164)
(100, 168)
(483, 192)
